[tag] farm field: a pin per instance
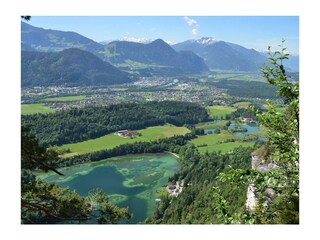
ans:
(27, 109)
(241, 104)
(244, 76)
(225, 147)
(212, 139)
(112, 140)
(219, 111)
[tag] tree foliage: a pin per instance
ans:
(247, 89)
(281, 150)
(27, 18)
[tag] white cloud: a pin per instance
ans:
(193, 24)
(190, 21)
(194, 31)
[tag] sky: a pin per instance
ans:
(257, 32)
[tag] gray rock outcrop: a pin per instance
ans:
(269, 193)
(251, 198)
(260, 165)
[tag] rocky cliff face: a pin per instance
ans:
(261, 166)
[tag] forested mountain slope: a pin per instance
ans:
(71, 67)
(47, 40)
(157, 52)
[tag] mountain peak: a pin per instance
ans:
(136, 39)
(161, 44)
(159, 41)
(206, 40)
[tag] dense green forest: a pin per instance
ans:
(196, 203)
(251, 89)
(77, 125)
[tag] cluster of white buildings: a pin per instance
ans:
(175, 189)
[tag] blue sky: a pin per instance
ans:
(256, 32)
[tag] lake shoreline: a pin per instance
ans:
(174, 154)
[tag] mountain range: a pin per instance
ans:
(143, 57)
(223, 55)
(129, 39)
(230, 56)
(156, 52)
(70, 67)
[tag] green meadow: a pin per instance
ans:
(112, 140)
(219, 111)
(27, 109)
(212, 139)
(215, 142)
(224, 147)
(241, 104)
(244, 76)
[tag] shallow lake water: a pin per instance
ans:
(251, 128)
(130, 181)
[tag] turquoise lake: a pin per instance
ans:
(250, 129)
(130, 181)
